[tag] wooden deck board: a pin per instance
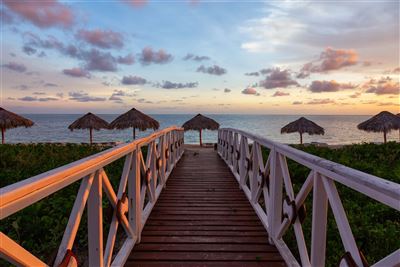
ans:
(202, 218)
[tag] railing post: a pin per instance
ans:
(255, 169)
(95, 222)
(134, 188)
(242, 167)
(319, 218)
(275, 201)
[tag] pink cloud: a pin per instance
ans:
(18, 67)
(102, 38)
(136, 3)
(383, 86)
(149, 56)
(279, 93)
(330, 59)
(43, 14)
(329, 86)
(321, 101)
(250, 91)
(77, 72)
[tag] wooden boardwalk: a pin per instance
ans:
(202, 218)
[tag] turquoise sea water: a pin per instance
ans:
(338, 129)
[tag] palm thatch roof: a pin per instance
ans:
(200, 122)
(382, 122)
(303, 125)
(9, 120)
(135, 119)
(89, 121)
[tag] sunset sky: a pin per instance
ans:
(272, 57)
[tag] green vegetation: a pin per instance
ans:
(39, 227)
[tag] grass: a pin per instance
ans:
(39, 227)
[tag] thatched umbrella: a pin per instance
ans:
(136, 120)
(9, 120)
(91, 122)
(382, 122)
(301, 126)
(200, 122)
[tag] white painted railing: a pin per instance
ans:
(139, 188)
(265, 180)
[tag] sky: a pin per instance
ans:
(239, 57)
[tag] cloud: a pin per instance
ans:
(133, 80)
(39, 93)
(28, 50)
(297, 103)
(190, 56)
(27, 98)
(93, 59)
(148, 56)
(60, 95)
(101, 38)
(136, 3)
(81, 96)
(77, 72)
(18, 67)
(388, 104)
(227, 90)
(22, 87)
(278, 79)
(142, 100)
(100, 61)
(383, 86)
(172, 85)
(266, 71)
(393, 71)
(330, 59)
(126, 60)
(43, 14)
(252, 73)
(279, 93)
(116, 96)
(329, 86)
(46, 99)
(321, 101)
(40, 99)
(50, 85)
(213, 70)
(249, 91)
(355, 95)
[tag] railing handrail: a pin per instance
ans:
(69, 173)
(378, 184)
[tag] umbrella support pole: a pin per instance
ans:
(301, 138)
(134, 133)
(2, 136)
(384, 137)
(91, 135)
(201, 142)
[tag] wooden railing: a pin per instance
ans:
(267, 180)
(139, 188)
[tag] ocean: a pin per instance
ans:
(340, 129)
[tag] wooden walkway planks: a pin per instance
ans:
(202, 218)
